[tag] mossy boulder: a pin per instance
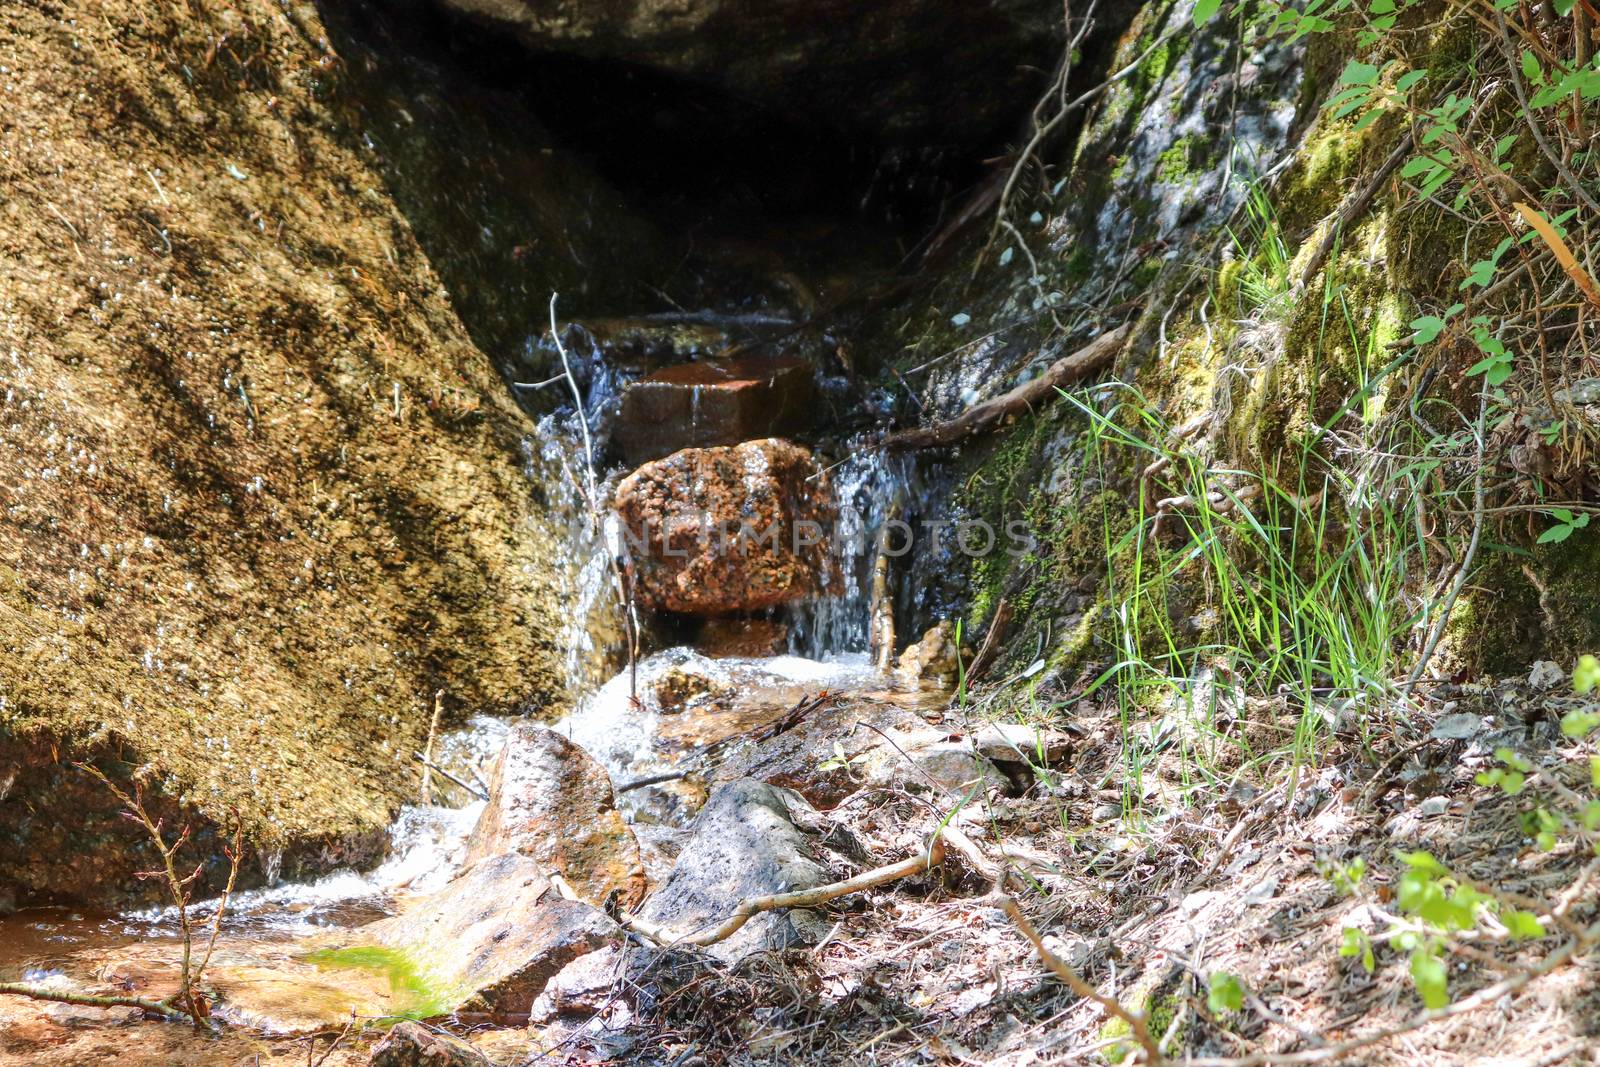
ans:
(263, 498)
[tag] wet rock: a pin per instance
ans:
(549, 800)
(807, 758)
(741, 638)
(714, 402)
(682, 690)
(659, 847)
(750, 839)
(414, 1045)
(932, 660)
(913, 71)
(492, 938)
(582, 989)
(715, 531)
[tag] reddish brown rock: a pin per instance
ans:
(714, 402)
(715, 531)
(549, 800)
(493, 937)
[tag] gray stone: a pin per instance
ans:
(414, 1045)
(751, 839)
(1457, 727)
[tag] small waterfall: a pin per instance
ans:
(592, 628)
(873, 490)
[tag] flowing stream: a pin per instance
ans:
(637, 721)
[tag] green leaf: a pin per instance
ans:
(1410, 80)
(1205, 11)
(1563, 7)
(1579, 724)
(1357, 73)
(1555, 535)
(1531, 68)
(1428, 972)
(1586, 675)
(1224, 994)
(1428, 327)
(1523, 925)
(1422, 861)
(1510, 758)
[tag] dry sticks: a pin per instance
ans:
(187, 1002)
(981, 418)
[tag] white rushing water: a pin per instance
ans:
(620, 727)
(870, 487)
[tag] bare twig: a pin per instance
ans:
(1073, 981)
(420, 758)
(19, 989)
(427, 749)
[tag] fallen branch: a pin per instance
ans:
(84, 1000)
(749, 908)
(989, 650)
(653, 779)
(1074, 982)
(984, 417)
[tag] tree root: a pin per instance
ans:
(984, 417)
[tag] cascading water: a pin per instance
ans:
(873, 491)
(555, 454)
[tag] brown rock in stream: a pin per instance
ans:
(714, 531)
(549, 800)
(714, 402)
(492, 938)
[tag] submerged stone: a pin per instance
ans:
(714, 402)
(491, 938)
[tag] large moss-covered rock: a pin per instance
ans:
(262, 498)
